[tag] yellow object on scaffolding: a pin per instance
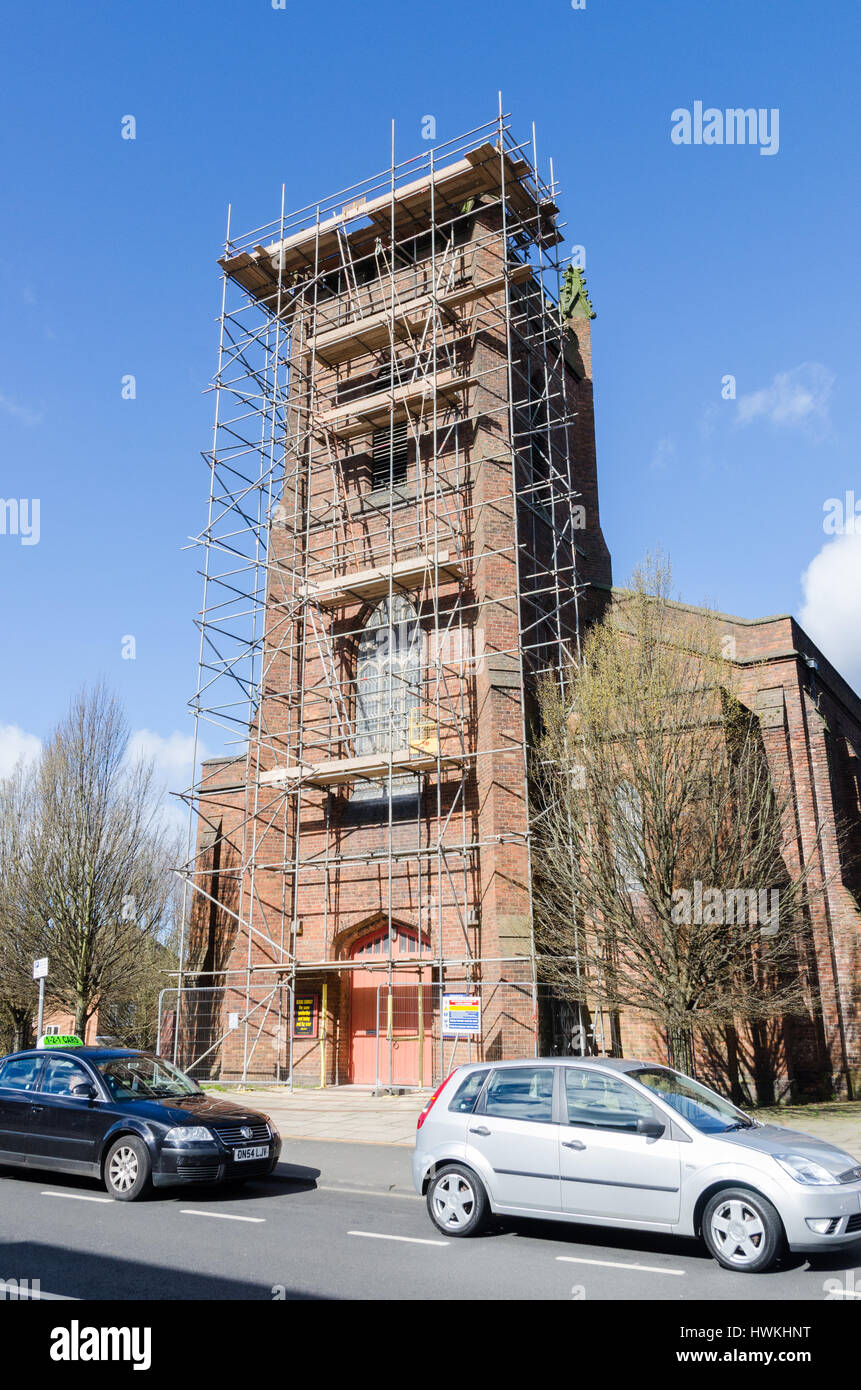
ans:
(423, 733)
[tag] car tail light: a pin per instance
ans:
(423, 1116)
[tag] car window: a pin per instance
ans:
(521, 1093)
(709, 1112)
(466, 1094)
(142, 1077)
(60, 1075)
(602, 1102)
(20, 1073)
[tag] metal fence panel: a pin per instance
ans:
(232, 1032)
(235, 1032)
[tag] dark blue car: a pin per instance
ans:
(130, 1118)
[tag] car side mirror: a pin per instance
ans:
(653, 1129)
(84, 1090)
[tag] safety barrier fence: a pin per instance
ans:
(410, 1034)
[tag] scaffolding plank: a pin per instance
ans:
(372, 767)
(372, 583)
(374, 331)
(481, 170)
(347, 421)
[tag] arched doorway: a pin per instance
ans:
(391, 1031)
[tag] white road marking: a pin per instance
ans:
(844, 1293)
(221, 1215)
(614, 1264)
(409, 1240)
(36, 1294)
(370, 1192)
(76, 1197)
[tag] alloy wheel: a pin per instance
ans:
(738, 1231)
(453, 1201)
(123, 1170)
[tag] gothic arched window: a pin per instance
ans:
(388, 677)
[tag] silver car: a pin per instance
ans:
(633, 1145)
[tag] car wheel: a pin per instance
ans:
(742, 1230)
(457, 1201)
(127, 1169)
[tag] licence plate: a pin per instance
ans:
(241, 1155)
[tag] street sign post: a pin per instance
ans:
(40, 973)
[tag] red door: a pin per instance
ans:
(391, 1031)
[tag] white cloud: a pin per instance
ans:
(172, 758)
(797, 398)
(9, 406)
(663, 455)
(172, 755)
(16, 743)
(831, 611)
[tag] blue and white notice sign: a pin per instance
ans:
(461, 1015)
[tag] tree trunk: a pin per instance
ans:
(682, 1050)
(80, 1023)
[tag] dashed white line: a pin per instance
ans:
(615, 1264)
(76, 1197)
(221, 1215)
(370, 1192)
(408, 1240)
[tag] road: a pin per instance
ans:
(340, 1221)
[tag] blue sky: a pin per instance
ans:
(702, 261)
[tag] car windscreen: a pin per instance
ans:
(704, 1109)
(145, 1078)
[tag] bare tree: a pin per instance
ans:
(18, 930)
(96, 863)
(662, 878)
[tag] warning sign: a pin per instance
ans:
(461, 1015)
(305, 1010)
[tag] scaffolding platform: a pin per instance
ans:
(375, 583)
(373, 767)
(487, 169)
(405, 320)
(402, 403)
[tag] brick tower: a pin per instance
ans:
(403, 534)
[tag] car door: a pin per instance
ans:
(514, 1131)
(18, 1076)
(65, 1127)
(608, 1170)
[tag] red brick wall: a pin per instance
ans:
(480, 893)
(811, 729)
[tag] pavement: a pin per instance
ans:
(346, 1114)
(838, 1122)
(352, 1114)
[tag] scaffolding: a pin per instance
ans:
(392, 436)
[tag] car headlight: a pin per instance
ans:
(805, 1170)
(189, 1134)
